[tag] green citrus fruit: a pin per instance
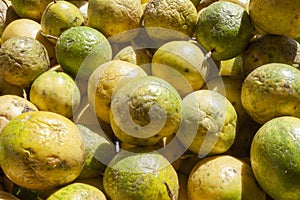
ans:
(145, 110)
(181, 64)
(270, 91)
(82, 49)
(58, 17)
(116, 19)
(170, 19)
(140, 175)
(278, 17)
(80, 191)
(35, 150)
(105, 80)
(224, 28)
(223, 177)
(270, 49)
(208, 123)
(62, 96)
(275, 157)
(23, 59)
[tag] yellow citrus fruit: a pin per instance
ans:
(23, 59)
(224, 28)
(277, 17)
(35, 150)
(145, 110)
(270, 91)
(232, 67)
(223, 177)
(208, 123)
(117, 20)
(170, 19)
(275, 157)
(58, 17)
(29, 28)
(105, 80)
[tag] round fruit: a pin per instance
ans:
(181, 64)
(80, 50)
(117, 20)
(29, 28)
(275, 157)
(12, 106)
(277, 17)
(35, 150)
(139, 175)
(58, 17)
(105, 80)
(208, 123)
(232, 67)
(62, 96)
(224, 28)
(269, 49)
(30, 9)
(170, 19)
(223, 177)
(145, 110)
(80, 191)
(270, 91)
(22, 59)
(99, 152)
(7, 14)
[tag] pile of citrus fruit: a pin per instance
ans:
(150, 99)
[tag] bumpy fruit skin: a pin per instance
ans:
(22, 59)
(133, 175)
(145, 110)
(56, 92)
(41, 150)
(80, 191)
(270, 91)
(277, 17)
(275, 157)
(223, 177)
(225, 28)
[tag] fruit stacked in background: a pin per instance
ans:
(133, 99)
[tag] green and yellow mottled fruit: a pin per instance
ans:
(140, 175)
(99, 152)
(41, 150)
(170, 19)
(208, 123)
(81, 49)
(55, 92)
(275, 157)
(181, 64)
(270, 49)
(59, 16)
(12, 106)
(22, 59)
(80, 191)
(270, 91)
(224, 28)
(278, 17)
(145, 110)
(223, 177)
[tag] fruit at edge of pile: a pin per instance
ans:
(23, 59)
(139, 174)
(270, 91)
(35, 150)
(275, 157)
(59, 16)
(145, 110)
(223, 177)
(80, 50)
(224, 28)
(208, 123)
(55, 92)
